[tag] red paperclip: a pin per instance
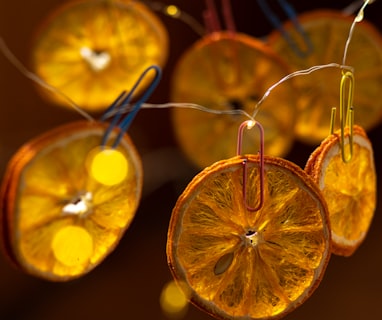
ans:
(211, 19)
(249, 124)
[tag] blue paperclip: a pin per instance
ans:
(275, 21)
(123, 101)
(248, 124)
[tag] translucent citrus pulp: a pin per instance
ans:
(238, 264)
(319, 92)
(59, 222)
(228, 71)
(93, 50)
(348, 188)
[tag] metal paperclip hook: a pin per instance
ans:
(346, 113)
(124, 100)
(275, 21)
(249, 124)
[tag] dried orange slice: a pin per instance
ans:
(349, 188)
(59, 220)
(228, 71)
(237, 264)
(92, 50)
(318, 92)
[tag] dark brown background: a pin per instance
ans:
(127, 285)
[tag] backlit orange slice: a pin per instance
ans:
(59, 220)
(349, 188)
(240, 264)
(92, 50)
(228, 71)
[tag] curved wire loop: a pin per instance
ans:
(249, 124)
(276, 22)
(346, 113)
(118, 107)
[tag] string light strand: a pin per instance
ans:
(30, 75)
(297, 74)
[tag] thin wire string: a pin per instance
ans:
(30, 75)
(310, 70)
(354, 6)
(297, 74)
(358, 18)
(109, 113)
(127, 108)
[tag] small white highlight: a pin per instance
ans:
(98, 61)
(79, 205)
(250, 124)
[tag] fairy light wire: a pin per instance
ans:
(182, 105)
(297, 74)
(30, 75)
(121, 99)
(358, 18)
(310, 70)
(126, 108)
(354, 6)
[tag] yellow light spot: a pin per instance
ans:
(108, 166)
(173, 301)
(173, 11)
(72, 246)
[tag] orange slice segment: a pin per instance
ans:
(93, 50)
(319, 92)
(225, 71)
(238, 264)
(349, 188)
(59, 222)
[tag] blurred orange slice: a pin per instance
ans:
(349, 188)
(229, 71)
(238, 264)
(92, 50)
(319, 92)
(59, 222)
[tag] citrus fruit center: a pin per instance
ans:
(98, 60)
(72, 246)
(253, 238)
(79, 205)
(108, 166)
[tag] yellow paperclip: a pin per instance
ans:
(346, 113)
